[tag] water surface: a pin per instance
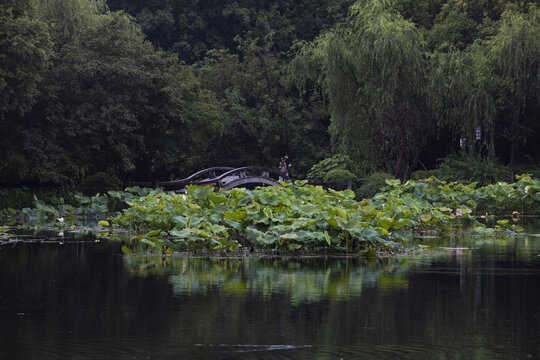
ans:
(81, 299)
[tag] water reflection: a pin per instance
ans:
(319, 278)
(476, 299)
(305, 280)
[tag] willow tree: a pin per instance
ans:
(367, 67)
(460, 94)
(68, 17)
(515, 59)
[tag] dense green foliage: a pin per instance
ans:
(372, 184)
(320, 170)
(160, 89)
(298, 217)
(461, 167)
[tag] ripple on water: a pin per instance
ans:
(413, 351)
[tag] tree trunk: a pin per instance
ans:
(513, 138)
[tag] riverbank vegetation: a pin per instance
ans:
(297, 218)
(95, 93)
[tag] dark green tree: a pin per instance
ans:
(25, 52)
(191, 28)
(370, 66)
(461, 97)
(514, 57)
(262, 112)
(113, 104)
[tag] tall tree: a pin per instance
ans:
(24, 56)
(113, 104)
(191, 28)
(372, 65)
(261, 110)
(515, 59)
(67, 18)
(460, 94)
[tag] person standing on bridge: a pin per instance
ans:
(283, 168)
(288, 162)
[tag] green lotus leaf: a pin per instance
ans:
(309, 236)
(369, 209)
(302, 223)
(484, 230)
(392, 182)
(200, 193)
(269, 199)
(233, 224)
(149, 242)
(308, 209)
(237, 215)
(258, 237)
(155, 233)
(268, 212)
(369, 234)
(218, 229)
(183, 234)
(294, 246)
(385, 222)
(438, 215)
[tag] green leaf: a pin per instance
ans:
(258, 237)
(392, 182)
(155, 233)
(294, 246)
(369, 209)
(237, 215)
(233, 224)
(309, 209)
(484, 231)
(268, 212)
(148, 242)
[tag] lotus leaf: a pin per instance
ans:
(258, 237)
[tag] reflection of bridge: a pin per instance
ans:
(224, 178)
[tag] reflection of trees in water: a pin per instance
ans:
(312, 279)
(316, 279)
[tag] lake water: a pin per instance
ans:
(75, 298)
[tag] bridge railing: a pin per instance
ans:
(226, 177)
(199, 177)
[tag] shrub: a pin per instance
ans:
(320, 170)
(472, 168)
(11, 170)
(101, 181)
(372, 184)
(18, 198)
(339, 175)
(420, 175)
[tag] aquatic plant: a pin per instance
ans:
(303, 217)
(297, 218)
